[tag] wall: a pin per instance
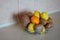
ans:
(42, 5)
(8, 7)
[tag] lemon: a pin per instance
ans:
(31, 28)
(44, 16)
(37, 13)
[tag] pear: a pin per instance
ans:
(43, 31)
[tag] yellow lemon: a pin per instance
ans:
(31, 28)
(44, 16)
(37, 13)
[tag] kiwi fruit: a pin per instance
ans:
(28, 13)
(24, 20)
(38, 28)
(43, 22)
(49, 24)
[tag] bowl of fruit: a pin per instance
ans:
(35, 22)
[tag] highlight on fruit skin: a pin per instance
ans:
(31, 28)
(44, 15)
(37, 13)
(35, 20)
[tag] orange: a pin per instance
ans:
(35, 20)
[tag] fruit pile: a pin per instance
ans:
(35, 22)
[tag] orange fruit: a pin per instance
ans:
(35, 20)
